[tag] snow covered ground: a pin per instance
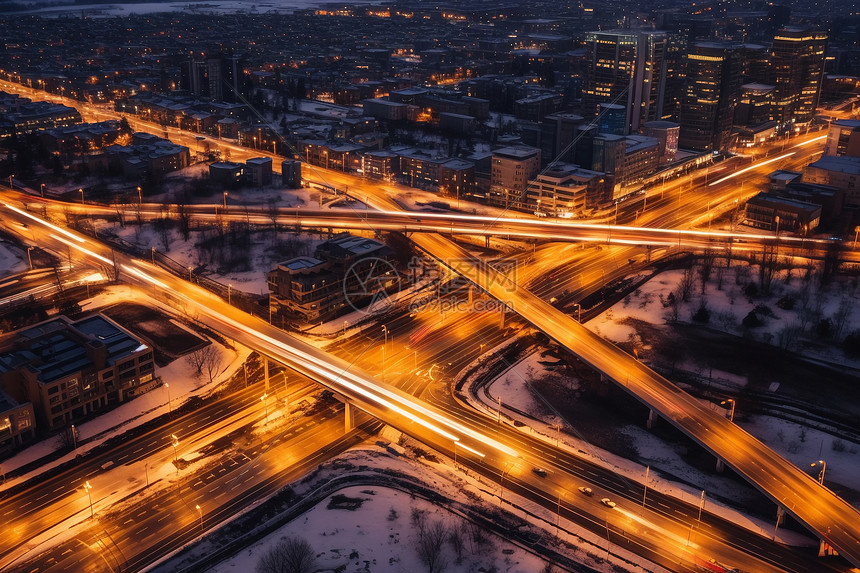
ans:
(380, 535)
(12, 260)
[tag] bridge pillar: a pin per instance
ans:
(720, 466)
(652, 419)
(349, 417)
(825, 549)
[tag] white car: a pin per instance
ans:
(607, 502)
(586, 490)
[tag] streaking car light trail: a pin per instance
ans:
(86, 251)
(819, 138)
(750, 168)
(46, 223)
(350, 380)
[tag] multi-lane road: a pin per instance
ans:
(504, 452)
(821, 510)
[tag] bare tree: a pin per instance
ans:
(213, 363)
(707, 265)
(685, 285)
(290, 555)
(431, 542)
(184, 215)
(841, 316)
(201, 357)
(68, 438)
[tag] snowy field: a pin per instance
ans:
(12, 260)
(382, 535)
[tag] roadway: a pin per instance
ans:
(437, 427)
(817, 507)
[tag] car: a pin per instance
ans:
(607, 502)
(539, 471)
(586, 490)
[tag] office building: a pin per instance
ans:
(713, 84)
(72, 369)
(626, 68)
(512, 168)
(797, 68)
(843, 138)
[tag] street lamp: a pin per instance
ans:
(345, 324)
(82, 196)
(200, 511)
(732, 411)
(229, 292)
(189, 275)
(385, 332)
(578, 312)
(29, 258)
(87, 488)
(225, 199)
(174, 441)
(139, 196)
(169, 405)
(823, 467)
(10, 181)
(42, 188)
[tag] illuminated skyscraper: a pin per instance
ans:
(711, 95)
(797, 68)
(627, 68)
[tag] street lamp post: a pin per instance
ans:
(821, 474)
(82, 196)
(139, 196)
(169, 404)
(200, 511)
(87, 488)
(645, 493)
(385, 332)
(732, 411)
(578, 312)
(42, 189)
(189, 275)
(229, 293)
(29, 258)
(225, 199)
(174, 441)
(345, 324)
(10, 181)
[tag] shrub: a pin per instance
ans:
(702, 315)
(752, 320)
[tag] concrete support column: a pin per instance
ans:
(652, 419)
(349, 417)
(720, 465)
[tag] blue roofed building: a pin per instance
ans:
(70, 370)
